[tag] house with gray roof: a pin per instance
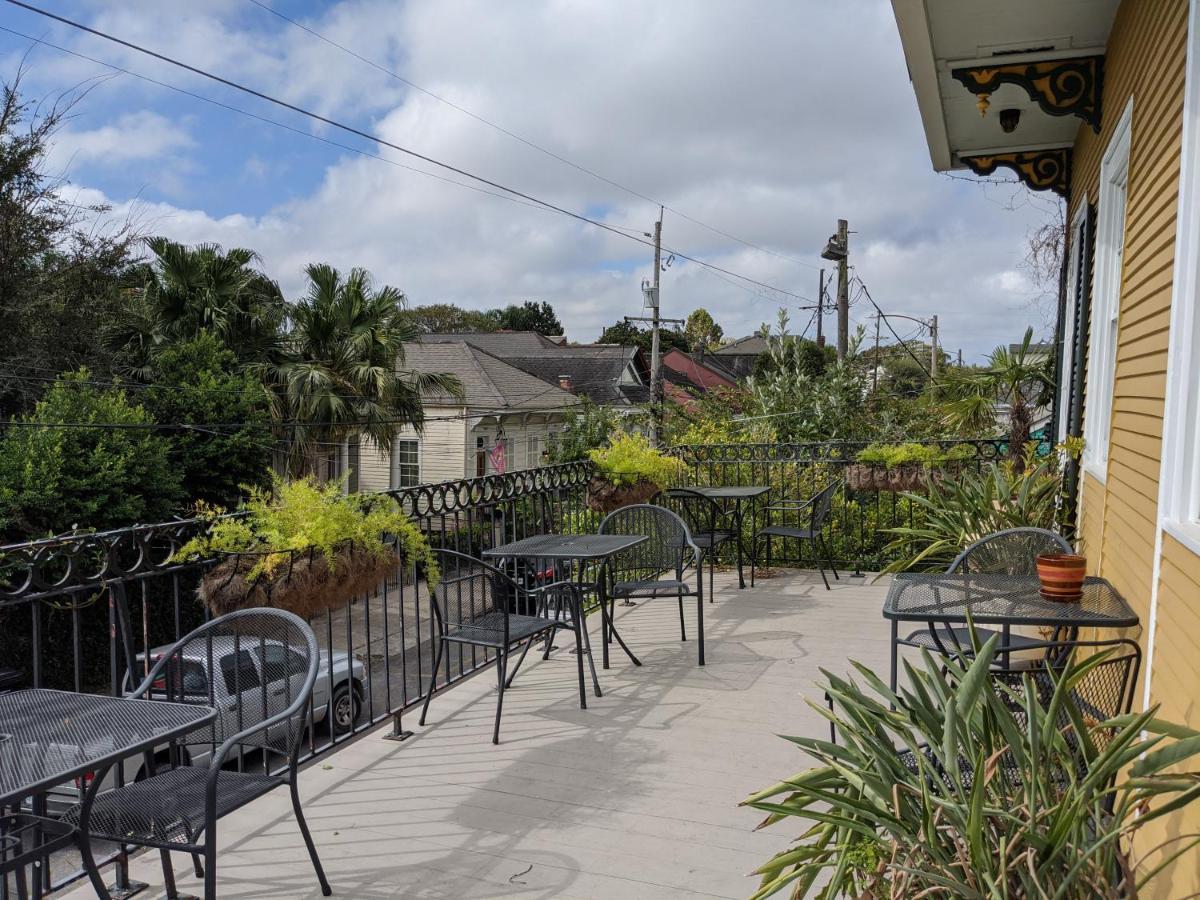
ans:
(501, 422)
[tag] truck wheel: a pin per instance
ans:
(347, 707)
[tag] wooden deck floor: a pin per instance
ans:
(635, 796)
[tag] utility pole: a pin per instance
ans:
(875, 361)
(821, 310)
(933, 359)
(960, 357)
(655, 345)
(837, 248)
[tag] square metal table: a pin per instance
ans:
(50, 737)
(578, 548)
(740, 496)
(1004, 600)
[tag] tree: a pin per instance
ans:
(807, 356)
(197, 382)
(1018, 379)
(529, 316)
(68, 473)
(627, 334)
(446, 318)
(60, 274)
(701, 332)
(586, 427)
(189, 291)
(338, 372)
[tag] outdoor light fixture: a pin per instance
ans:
(1009, 119)
(833, 249)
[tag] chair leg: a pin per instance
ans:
(521, 658)
(437, 662)
(168, 875)
(682, 627)
(501, 666)
(712, 574)
(753, 558)
(829, 557)
(210, 861)
(308, 841)
(700, 625)
(579, 662)
(197, 865)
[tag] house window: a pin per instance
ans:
(533, 451)
(1106, 306)
(406, 463)
(1076, 293)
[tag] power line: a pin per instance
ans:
(681, 255)
(907, 349)
(526, 141)
(350, 129)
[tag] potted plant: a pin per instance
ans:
(629, 470)
(959, 786)
(303, 547)
(903, 467)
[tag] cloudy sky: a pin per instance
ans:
(766, 121)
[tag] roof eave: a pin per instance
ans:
(913, 25)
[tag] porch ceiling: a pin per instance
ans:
(940, 36)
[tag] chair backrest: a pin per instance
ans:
(257, 667)
(666, 548)
(470, 589)
(1013, 551)
(700, 513)
(822, 504)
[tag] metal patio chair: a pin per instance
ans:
(704, 517)
(476, 604)
(1013, 551)
(654, 568)
(264, 709)
(800, 520)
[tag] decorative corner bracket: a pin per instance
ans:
(1061, 87)
(1039, 170)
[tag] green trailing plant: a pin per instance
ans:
(1011, 793)
(956, 512)
(302, 515)
(631, 458)
(893, 455)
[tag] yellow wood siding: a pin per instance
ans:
(1146, 60)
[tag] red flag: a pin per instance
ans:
(497, 457)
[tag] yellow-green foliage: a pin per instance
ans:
(893, 455)
(304, 515)
(630, 458)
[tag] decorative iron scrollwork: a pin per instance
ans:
(1039, 170)
(1061, 87)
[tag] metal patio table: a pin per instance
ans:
(740, 497)
(49, 737)
(578, 549)
(1004, 600)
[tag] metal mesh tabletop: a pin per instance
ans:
(567, 546)
(731, 493)
(1002, 600)
(47, 737)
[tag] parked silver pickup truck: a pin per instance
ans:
(248, 669)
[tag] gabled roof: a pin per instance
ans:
(498, 343)
(489, 384)
(596, 370)
(750, 345)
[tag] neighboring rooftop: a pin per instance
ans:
(498, 343)
(750, 345)
(489, 383)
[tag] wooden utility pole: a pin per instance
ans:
(933, 359)
(837, 249)
(821, 310)
(655, 344)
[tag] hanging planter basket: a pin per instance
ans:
(914, 477)
(603, 496)
(303, 583)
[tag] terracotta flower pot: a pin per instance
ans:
(1061, 575)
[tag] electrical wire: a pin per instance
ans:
(350, 129)
(907, 349)
(531, 144)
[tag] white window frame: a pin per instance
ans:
(1106, 298)
(395, 475)
(1070, 312)
(1179, 479)
(533, 449)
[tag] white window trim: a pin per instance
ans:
(1179, 479)
(395, 462)
(1074, 271)
(1106, 300)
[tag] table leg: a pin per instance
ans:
(895, 648)
(84, 839)
(738, 518)
(612, 627)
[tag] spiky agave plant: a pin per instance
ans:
(957, 786)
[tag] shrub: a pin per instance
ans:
(1049, 809)
(893, 455)
(631, 458)
(56, 479)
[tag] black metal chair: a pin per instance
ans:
(800, 520)
(479, 605)
(638, 573)
(1013, 551)
(264, 708)
(703, 516)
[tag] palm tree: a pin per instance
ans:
(191, 290)
(1017, 378)
(337, 371)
